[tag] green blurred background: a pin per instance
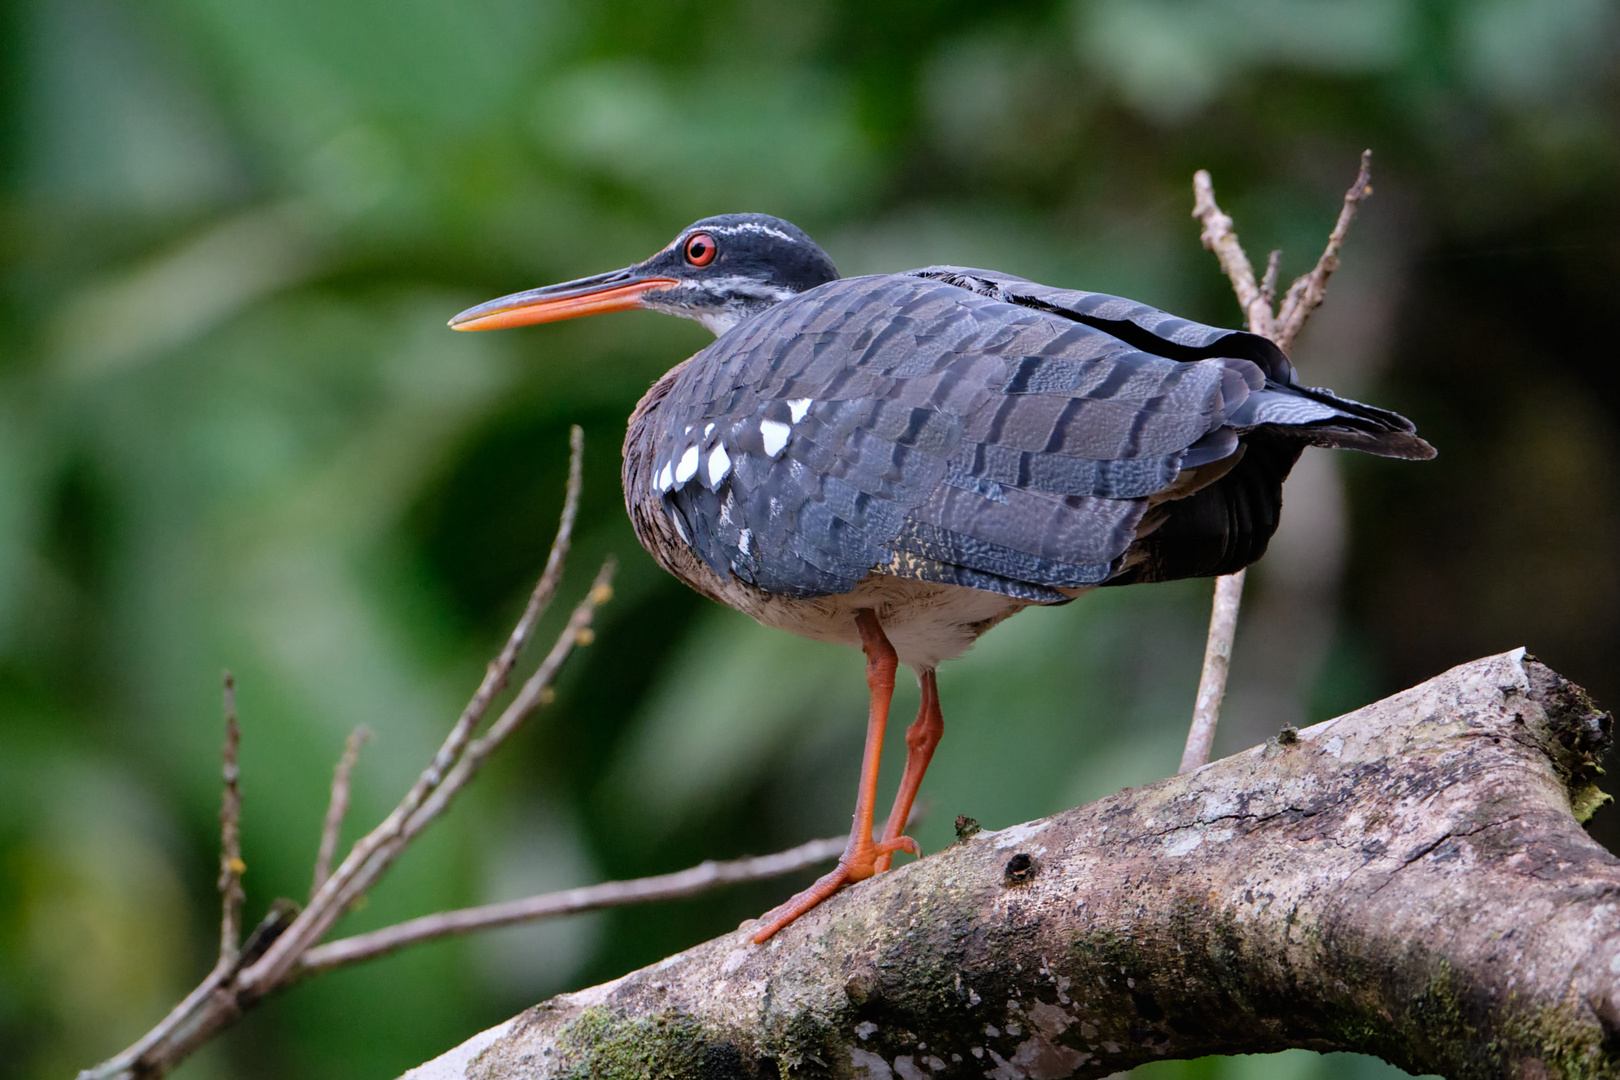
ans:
(235, 432)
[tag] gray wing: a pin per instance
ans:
(1145, 327)
(910, 425)
(1351, 424)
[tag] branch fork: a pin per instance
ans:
(278, 952)
(1282, 326)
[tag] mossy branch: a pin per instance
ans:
(1408, 880)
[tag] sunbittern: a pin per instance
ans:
(901, 461)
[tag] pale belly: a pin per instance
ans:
(926, 622)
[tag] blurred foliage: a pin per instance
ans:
(235, 432)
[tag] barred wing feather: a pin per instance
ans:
(968, 427)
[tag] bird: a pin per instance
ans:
(901, 461)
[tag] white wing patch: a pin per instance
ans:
(665, 479)
(719, 465)
(688, 466)
(775, 434)
(798, 407)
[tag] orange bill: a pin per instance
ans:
(619, 291)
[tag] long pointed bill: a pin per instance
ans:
(619, 291)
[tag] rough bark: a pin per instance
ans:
(1409, 880)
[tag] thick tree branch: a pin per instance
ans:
(1409, 880)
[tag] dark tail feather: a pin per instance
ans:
(1225, 526)
(1321, 418)
(1391, 444)
(1221, 528)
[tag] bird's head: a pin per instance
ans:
(719, 271)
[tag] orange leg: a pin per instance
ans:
(921, 738)
(859, 860)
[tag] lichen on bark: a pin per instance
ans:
(1408, 880)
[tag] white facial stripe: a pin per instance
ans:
(688, 466)
(732, 283)
(775, 435)
(797, 407)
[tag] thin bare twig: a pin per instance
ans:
(1304, 296)
(698, 879)
(378, 849)
(268, 962)
(1268, 283)
(197, 1004)
(690, 882)
(1219, 236)
(499, 670)
(231, 865)
(1308, 291)
(1223, 616)
(531, 697)
(337, 806)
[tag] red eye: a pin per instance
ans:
(700, 249)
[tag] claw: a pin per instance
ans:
(858, 863)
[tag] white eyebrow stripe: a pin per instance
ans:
(727, 230)
(754, 227)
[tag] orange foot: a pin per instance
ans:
(857, 863)
(863, 856)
